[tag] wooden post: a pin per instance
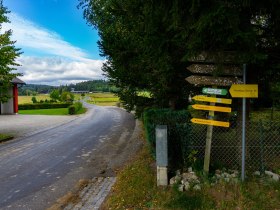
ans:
(208, 140)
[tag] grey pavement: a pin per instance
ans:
(92, 196)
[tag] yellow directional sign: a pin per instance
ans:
(212, 99)
(211, 108)
(210, 122)
(243, 91)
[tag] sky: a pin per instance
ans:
(58, 46)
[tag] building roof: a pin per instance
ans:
(17, 81)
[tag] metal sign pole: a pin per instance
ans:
(243, 128)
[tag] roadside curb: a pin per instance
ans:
(94, 194)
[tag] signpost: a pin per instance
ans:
(212, 99)
(210, 122)
(211, 108)
(208, 80)
(214, 91)
(244, 91)
(203, 64)
(212, 69)
(212, 57)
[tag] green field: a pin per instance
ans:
(103, 99)
(27, 99)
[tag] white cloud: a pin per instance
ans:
(58, 71)
(62, 62)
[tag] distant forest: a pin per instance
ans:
(91, 86)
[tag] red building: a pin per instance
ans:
(11, 107)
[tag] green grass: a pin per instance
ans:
(60, 111)
(136, 189)
(4, 137)
(265, 115)
(82, 111)
(103, 99)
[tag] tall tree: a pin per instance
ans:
(8, 55)
(148, 43)
(142, 49)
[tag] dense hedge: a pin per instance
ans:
(178, 132)
(43, 106)
(73, 109)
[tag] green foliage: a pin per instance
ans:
(34, 100)
(5, 137)
(8, 55)
(43, 106)
(178, 132)
(192, 158)
(148, 44)
(93, 86)
(67, 96)
(30, 89)
(75, 108)
(62, 95)
(141, 51)
(54, 95)
(71, 110)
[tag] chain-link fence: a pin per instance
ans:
(262, 145)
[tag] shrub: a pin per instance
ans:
(43, 106)
(73, 109)
(67, 96)
(34, 100)
(178, 132)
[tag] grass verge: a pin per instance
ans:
(136, 189)
(5, 137)
(60, 111)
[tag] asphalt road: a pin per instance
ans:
(36, 170)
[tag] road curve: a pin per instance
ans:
(38, 169)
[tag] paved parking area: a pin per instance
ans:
(25, 125)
